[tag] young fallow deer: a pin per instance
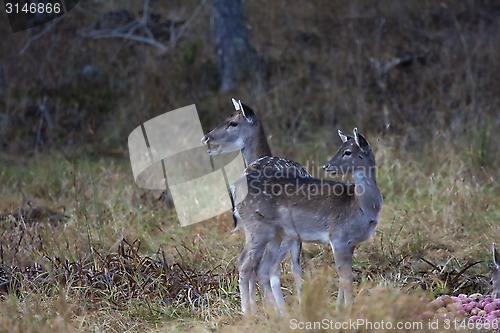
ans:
(312, 210)
(244, 131)
(495, 279)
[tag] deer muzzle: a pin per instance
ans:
(213, 148)
(330, 169)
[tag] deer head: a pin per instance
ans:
(234, 133)
(355, 155)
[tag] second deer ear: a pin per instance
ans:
(496, 256)
(343, 137)
(247, 112)
(360, 140)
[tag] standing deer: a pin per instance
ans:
(495, 279)
(310, 210)
(244, 131)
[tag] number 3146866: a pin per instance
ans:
(33, 8)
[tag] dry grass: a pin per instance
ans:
(71, 260)
(80, 274)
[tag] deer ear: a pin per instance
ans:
(343, 137)
(356, 136)
(360, 140)
(247, 112)
(236, 104)
(496, 256)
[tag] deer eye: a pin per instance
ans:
(347, 153)
(233, 124)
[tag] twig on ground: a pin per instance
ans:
(40, 34)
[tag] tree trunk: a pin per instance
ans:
(235, 55)
(3, 86)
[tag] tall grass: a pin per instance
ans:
(439, 215)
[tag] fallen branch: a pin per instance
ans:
(127, 31)
(136, 38)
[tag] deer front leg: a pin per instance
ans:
(263, 268)
(293, 247)
(257, 237)
(343, 260)
(277, 251)
(244, 280)
(247, 282)
(252, 286)
(255, 250)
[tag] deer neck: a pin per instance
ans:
(256, 147)
(367, 192)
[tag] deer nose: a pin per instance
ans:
(331, 169)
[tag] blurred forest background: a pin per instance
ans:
(82, 248)
(408, 68)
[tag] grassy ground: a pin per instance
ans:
(119, 261)
(86, 250)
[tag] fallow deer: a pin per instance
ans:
(310, 210)
(244, 131)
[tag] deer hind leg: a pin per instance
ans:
(343, 260)
(295, 249)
